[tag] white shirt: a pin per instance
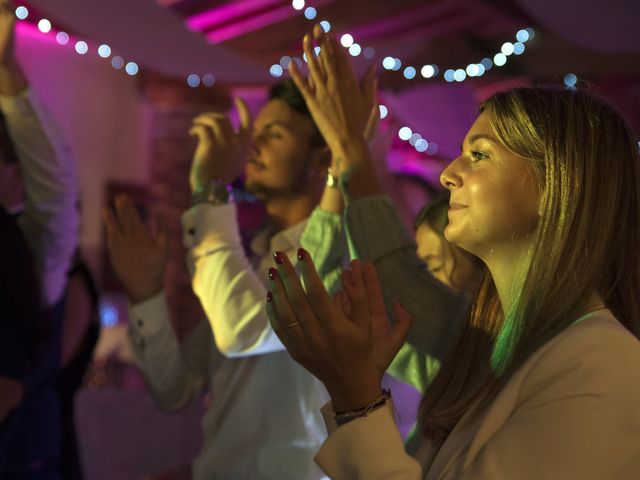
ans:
(50, 219)
(264, 420)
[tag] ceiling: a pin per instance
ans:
(239, 40)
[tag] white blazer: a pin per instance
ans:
(572, 411)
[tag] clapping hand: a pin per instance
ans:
(341, 107)
(346, 341)
(222, 151)
(138, 253)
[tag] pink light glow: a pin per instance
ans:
(250, 24)
(30, 30)
(232, 20)
(220, 15)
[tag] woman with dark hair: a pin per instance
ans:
(448, 263)
(544, 379)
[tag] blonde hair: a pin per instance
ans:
(585, 158)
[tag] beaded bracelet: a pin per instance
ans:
(346, 417)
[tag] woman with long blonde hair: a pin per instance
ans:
(544, 380)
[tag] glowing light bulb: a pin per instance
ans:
(346, 40)
(449, 75)
(459, 75)
(104, 51)
(117, 62)
(193, 80)
(383, 111)
(22, 12)
(405, 133)
(570, 80)
(44, 25)
(422, 145)
(131, 68)
(388, 63)
(472, 70)
(285, 61)
(82, 47)
(427, 71)
(507, 48)
(276, 70)
(518, 48)
(522, 35)
(499, 59)
(62, 38)
(409, 73)
(297, 4)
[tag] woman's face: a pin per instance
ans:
(494, 198)
(431, 251)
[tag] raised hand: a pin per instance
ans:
(138, 254)
(341, 107)
(7, 32)
(221, 152)
(12, 80)
(347, 342)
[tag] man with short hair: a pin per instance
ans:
(264, 420)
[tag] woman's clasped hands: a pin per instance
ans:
(347, 341)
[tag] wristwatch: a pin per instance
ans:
(332, 180)
(216, 192)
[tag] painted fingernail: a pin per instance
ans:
(273, 274)
(269, 296)
(278, 257)
(302, 254)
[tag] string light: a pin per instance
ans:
(62, 38)
(22, 13)
(346, 40)
(276, 70)
(193, 80)
(355, 50)
(117, 62)
(80, 46)
(104, 51)
(208, 80)
(44, 25)
(131, 68)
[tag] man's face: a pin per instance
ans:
(281, 159)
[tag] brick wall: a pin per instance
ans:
(171, 106)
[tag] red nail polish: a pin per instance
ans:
(269, 296)
(278, 257)
(273, 274)
(302, 254)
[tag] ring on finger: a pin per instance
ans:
(290, 325)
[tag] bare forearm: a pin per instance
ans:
(358, 175)
(332, 200)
